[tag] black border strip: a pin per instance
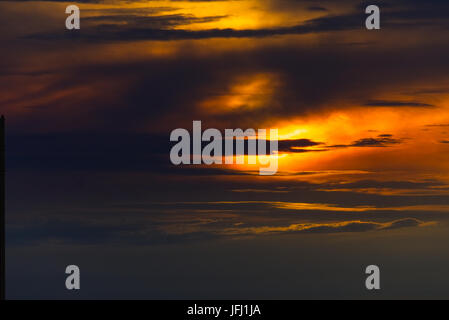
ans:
(2, 208)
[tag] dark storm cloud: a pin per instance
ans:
(133, 20)
(127, 11)
(350, 227)
(316, 8)
(299, 146)
(89, 232)
(141, 31)
(314, 79)
(167, 89)
(299, 150)
(403, 223)
(410, 185)
(375, 142)
(361, 226)
(298, 143)
(383, 140)
(393, 103)
(111, 151)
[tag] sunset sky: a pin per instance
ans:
(363, 120)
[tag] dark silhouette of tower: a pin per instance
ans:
(2, 207)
